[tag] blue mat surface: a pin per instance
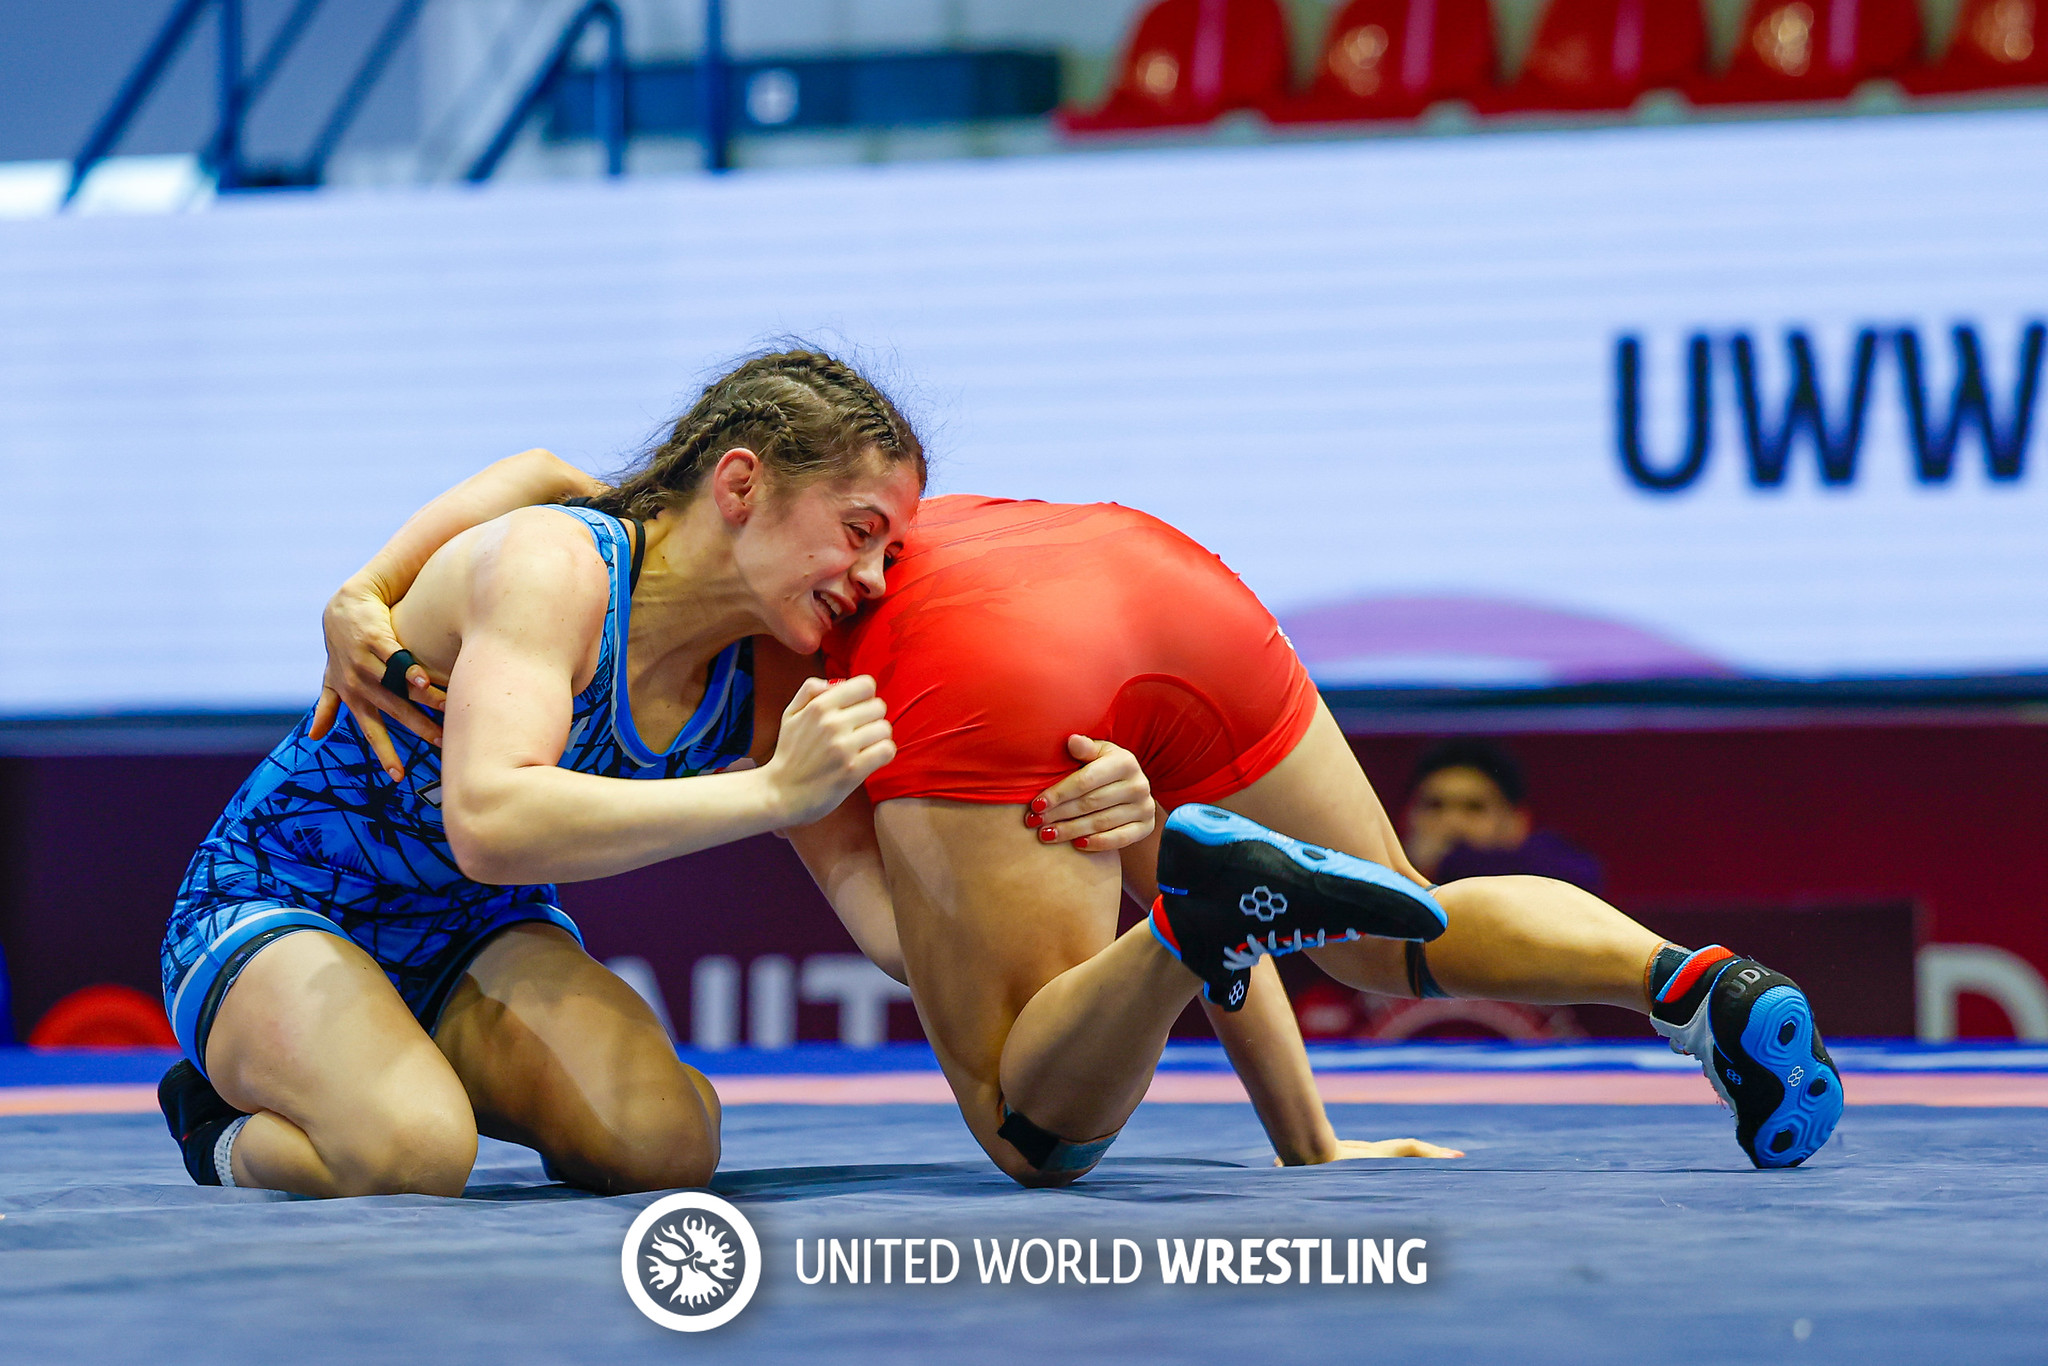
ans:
(1569, 1235)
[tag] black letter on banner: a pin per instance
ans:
(2005, 448)
(1770, 452)
(1628, 363)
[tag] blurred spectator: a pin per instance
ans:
(1468, 816)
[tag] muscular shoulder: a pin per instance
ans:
(536, 564)
(538, 538)
(531, 579)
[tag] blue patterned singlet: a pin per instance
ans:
(320, 838)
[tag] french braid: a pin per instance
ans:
(807, 414)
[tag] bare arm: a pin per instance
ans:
(536, 593)
(1263, 1042)
(357, 622)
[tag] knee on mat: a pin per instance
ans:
(421, 1149)
(658, 1145)
(1038, 1159)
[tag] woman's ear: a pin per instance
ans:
(738, 483)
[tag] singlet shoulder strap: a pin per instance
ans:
(639, 541)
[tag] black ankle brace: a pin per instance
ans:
(1421, 982)
(1664, 965)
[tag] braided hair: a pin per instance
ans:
(808, 416)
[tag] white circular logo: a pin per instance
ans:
(691, 1261)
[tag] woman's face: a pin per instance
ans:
(812, 556)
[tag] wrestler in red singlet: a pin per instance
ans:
(1009, 626)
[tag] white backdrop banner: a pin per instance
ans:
(1737, 400)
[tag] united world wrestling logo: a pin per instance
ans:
(1263, 902)
(691, 1261)
(693, 1264)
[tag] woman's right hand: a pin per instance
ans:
(833, 736)
(357, 626)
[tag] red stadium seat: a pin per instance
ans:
(1391, 59)
(1998, 43)
(1604, 54)
(1814, 50)
(1190, 60)
(104, 1016)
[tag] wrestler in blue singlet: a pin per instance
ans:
(320, 838)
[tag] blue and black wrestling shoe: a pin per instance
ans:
(1231, 891)
(1752, 1030)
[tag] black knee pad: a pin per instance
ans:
(1048, 1152)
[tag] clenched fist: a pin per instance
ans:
(833, 736)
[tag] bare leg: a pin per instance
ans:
(1027, 993)
(1530, 939)
(557, 1053)
(348, 1094)
(1320, 794)
(1031, 1001)
(1262, 1039)
(1510, 938)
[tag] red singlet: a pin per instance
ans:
(1009, 626)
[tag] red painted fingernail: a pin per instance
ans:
(1038, 803)
(1034, 821)
(1081, 843)
(1048, 835)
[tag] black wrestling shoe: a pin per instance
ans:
(197, 1115)
(1230, 891)
(1752, 1030)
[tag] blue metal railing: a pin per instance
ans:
(609, 93)
(135, 89)
(236, 93)
(227, 133)
(314, 169)
(714, 102)
(223, 149)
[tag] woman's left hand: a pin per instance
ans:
(1105, 805)
(357, 625)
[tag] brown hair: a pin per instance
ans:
(808, 416)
